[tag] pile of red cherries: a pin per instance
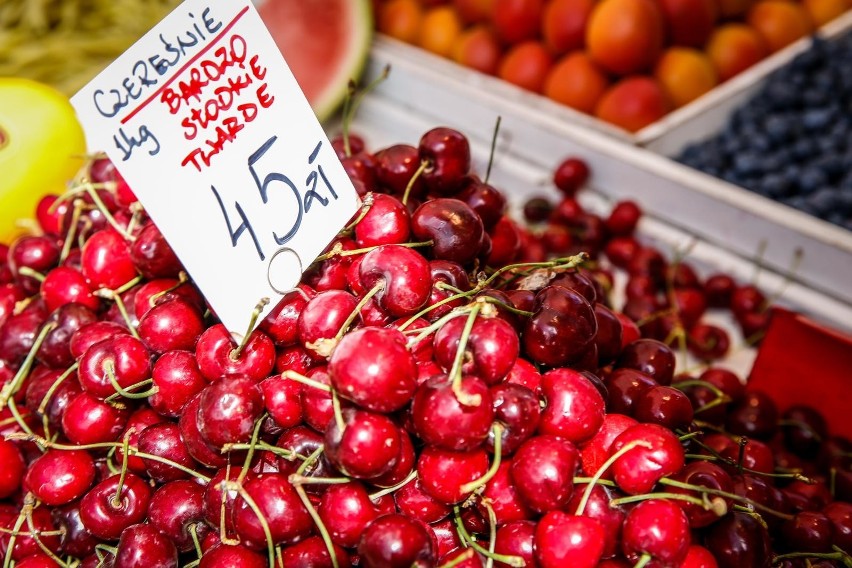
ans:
(445, 387)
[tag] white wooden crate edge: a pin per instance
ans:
(713, 210)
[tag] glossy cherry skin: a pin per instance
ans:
(562, 539)
(25, 545)
(177, 379)
(106, 261)
(623, 389)
(443, 473)
(281, 324)
(345, 510)
(279, 504)
(153, 256)
(13, 468)
(840, 515)
(562, 327)
(657, 527)
(106, 519)
(219, 491)
(755, 416)
(543, 472)
(60, 476)
(708, 342)
(387, 222)
(447, 152)
(803, 428)
(77, 540)
(18, 334)
(123, 358)
(215, 352)
(738, 540)
(164, 440)
(313, 553)
(396, 541)
(442, 420)
(516, 538)
(93, 333)
(405, 274)
(171, 325)
(490, 351)
(595, 451)
(228, 409)
(174, 508)
(518, 409)
(456, 231)
(808, 531)
(373, 368)
(88, 420)
(638, 470)
(575, 408)
(611, 518)
(322, 318)
(395, 166)
(665, 406)
(38, 253)
(366, 447)
(282, 399)
(197, 445)
(570, 175)
(404, 463)
(651, 357)
(488, 202)
(143, 546)
(55, 350)
(232, 555)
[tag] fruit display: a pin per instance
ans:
(790, 142)
(627, 62)
(447, 386)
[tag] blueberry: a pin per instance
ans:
(761, 143)
(802, 204)
(823, 201)
(832, 164)
(811, 179)
(748, 163)
(775, 185)
(814, 97)
(844, 201)
(816, 118)
(778, 128)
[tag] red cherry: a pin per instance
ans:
(447, 152)
(217, 357)
(345, 510)
(177, 379)
(443, 473)
(665, 406)
(659, 528)
(65, 285)
(175, 508)
(503, 498)
(13, 468)
(575, 408)
(703, 474)
(395, 166)
(228, 409)
(517, 539)
(387, 222)
(596, 450)
(93, 333)
(89, 420)
(123, 359)
(623, 218)
(364, 446)
(278, 502)
(463, 424)
(638, 470)
(313, 553)
(106, 514)
(60, 476)
(396, 541)
(406, 276)
(518, 409)
(456, 231)
(543, 472)
(562, 539)
(143, 546)
(153, 256)
(562, 327)
(570, 176)
(232, 555)
(171, 325)
(106, 260)
(490, 352)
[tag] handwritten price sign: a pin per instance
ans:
(207, 124)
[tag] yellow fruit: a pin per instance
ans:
(41, 148)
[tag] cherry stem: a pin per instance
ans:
(492, 532)
(13, 408)
(116, 499)
(461, 558)
(296, 479)
(394, 488)
(643, 560)
(27, 271)
(270, 546)
(12, 387)
(299, 378)
(122, 309)
(255, 314)
(497, 429)
(109, 370)
(36, 536)
(255, 435)
(311, 459)
(326, 538)
(663, 495)
(366, 205)
(193, 532)
(493, 148)
(715, 456)
(357, 311)
(78, 205)
(606, 482)
(725, 494)
(437, 324)
(90, 189)
(338, 251)
(466, 539)
(42, 407)
(604, 467)
(354, 102)
(261, 445)
(182, 279)
(338, 413)
(838, 554)
(505, 306)
(561, 263)
(456, 369)
(347, 109)
(224, 490)
(16, 528)
(424, 165)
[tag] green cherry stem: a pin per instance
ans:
(493, 148)
(456, 369)
(393, 488)
(604, 467)
(122, 309)
(29, 272)
(725, 494)
(255, 314)
(424, 165)
(326, 538)
(662, 495)
(643, 561)
(78, 205)
(357, 311)
(255, 435)
(299, 378)
(497, 429)
(12, 387)
(468, 541)
(116, 499)
(270, 546)
(42, 407)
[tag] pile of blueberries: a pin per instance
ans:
(792, 142)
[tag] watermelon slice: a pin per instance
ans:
(325, 43)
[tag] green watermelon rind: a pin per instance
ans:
(358, 51)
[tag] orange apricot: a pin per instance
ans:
(439, 30)
(823, 11)
(733, 48)
(685, 74)
(633, 103)
(401, 19)
(563, 24)
(625, 36)
(576, 81)
(526, 65)
(779, 22)
(478, 48)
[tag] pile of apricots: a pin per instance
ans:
(627, 62)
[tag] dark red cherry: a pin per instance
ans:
(718, 289)
(703, 474)
(739, 539)
(651, 357)
(232, 555)
(803, 428)
(143, 546)
(163, 440)
(197, 445)
(176, 509)
(364, 446)
(623, 389)
(396, 541)
(444, 473)
(808, 531)
(656, 527)
(562, 539)
(373, 368)
(455, 229)
(488, 202)
(570, 175)
(228, 409)
(708, 342)
(313, 553)
(623, 218)
(395, 166)
(153, 256)
(518, 409)
(755, 416)
(639, 469)
(562, 327)
(447, 153)
(452, 421)
(55, 350)
(106, 513)
(286, 517)
(217, 357)
(840, 515)
(665, 406)
(543, 472)
(36, 253)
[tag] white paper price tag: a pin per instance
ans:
(207, 124)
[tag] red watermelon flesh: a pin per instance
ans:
(325, 43)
